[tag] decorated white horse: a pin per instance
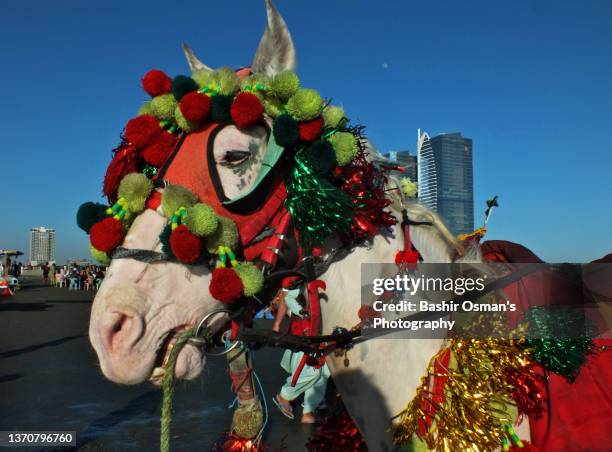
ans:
(226, 178)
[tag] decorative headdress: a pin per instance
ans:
(331, 189)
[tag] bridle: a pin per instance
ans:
(206, 337)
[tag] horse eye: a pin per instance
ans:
(235, 157)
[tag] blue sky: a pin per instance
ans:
(529, 82)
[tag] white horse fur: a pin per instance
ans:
(139, 305)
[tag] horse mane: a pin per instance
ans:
(417, 212)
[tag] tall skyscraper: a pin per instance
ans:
(42, 245)
(407, 161)
(446, 182)
(426, 168)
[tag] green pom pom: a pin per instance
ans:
(135, 188)
(409, 188)
(305, 105)
(226, 234)
(345, 146)
(162, 107)
(272, 106)
(226, 80)
(201, 220)
(100, 256)
(334, 116)
(175, 196)
(285, 85)
(220, 108)
(256, 84)
(89, 214)
(286, 130)
(164, 239)
(202, 77)
(251, 277)
(182, 85)
(320, 156)
(145, 108)
(184, 124)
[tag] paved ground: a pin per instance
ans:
(50, 380)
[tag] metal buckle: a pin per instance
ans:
(202, 342)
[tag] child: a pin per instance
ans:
(312, 381)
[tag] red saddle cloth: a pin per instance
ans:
(579, 415)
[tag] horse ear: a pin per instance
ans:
(194, 63)
(275, 52)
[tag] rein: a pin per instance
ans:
(324, 344)
(314, 345)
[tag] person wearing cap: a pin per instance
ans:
(312, 381)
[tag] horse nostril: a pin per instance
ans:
(122, 330)
(119, 323)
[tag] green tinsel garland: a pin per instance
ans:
(559, 339)
(149, 170)
(318, 208)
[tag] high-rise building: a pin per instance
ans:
(406, 160)
(446, 179)
(426, 169)
(42, 245)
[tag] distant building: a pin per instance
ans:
(407, 161)
(42, 245)
(446, 179)
(427, 175)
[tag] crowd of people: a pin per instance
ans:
(74, 277)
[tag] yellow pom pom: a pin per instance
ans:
(226, 81)
(409, 188)
(163, 106)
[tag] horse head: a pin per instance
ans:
(229, 165)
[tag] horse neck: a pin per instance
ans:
(343, 278)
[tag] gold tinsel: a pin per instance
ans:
(477, 398)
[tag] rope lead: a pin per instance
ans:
(168, 388)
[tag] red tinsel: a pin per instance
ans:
(225, 285)
(195, 106)
(337, 433)
(528, 393)
(186, 246)
(246, 110)
(311, 130)
(157, 152)
(156, 83)
(126, 160)
(364, 183)
(142, 130)
(232, 443)
(106, 235)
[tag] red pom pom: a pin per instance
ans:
(186, 246)
(225, 285)
(142, 130)
(125, 161)
(311, 130)
(106, 235)
(246, 110)
(157, 152)
(195, 106)
(156, 83)
(406, 257)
